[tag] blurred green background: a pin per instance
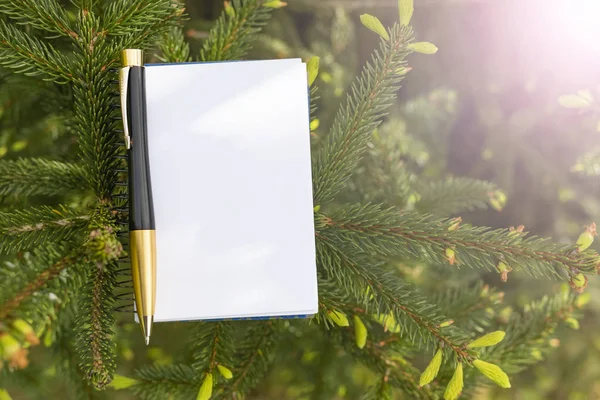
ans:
(486, 106)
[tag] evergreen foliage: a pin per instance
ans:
(37, 176)
(376, 211)
(370, 96)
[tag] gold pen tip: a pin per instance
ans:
(147, 321)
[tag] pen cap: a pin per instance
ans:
(132, 58)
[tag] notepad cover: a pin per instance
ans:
(230, 166)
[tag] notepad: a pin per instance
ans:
(230, 164)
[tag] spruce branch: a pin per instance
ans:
(126, 17)
(254, 358)
(63, 349)
(529, 331)
(371, 95)
(95, 315)
(159, 382)
(146, 36)
(95, 120)
(231, 36)
(173, 47)
(42, 306)
(95, 325)
(30, 56)
(212, 346)
(32, 227)
(419, 320)
(454, 195)
(38, 282)
(383, 175)
(37, 176)
(47, 15)
(93, 100)
(387, 232)
(472, 307)
(387, 358)
(383, 352)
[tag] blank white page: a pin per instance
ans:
(231, 182)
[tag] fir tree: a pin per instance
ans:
(64, 243)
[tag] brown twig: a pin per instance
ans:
(41, 279)
(488, 247)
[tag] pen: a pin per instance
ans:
(142, 236)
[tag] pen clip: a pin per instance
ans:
(124, 84)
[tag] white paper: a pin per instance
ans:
(232, 189)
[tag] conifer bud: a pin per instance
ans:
(446, 323)
(405, 9)
(485, 292)
(26, 330)
(12, 351)
(455, 224)
(338, 317)
(537, 355)
(432, 369)
(497, 200)
(574, 101)
(505, 314)
(48, 338)
(312, 67)
(582, 300)
(103, 246)
(450, 256)
(229, 10)
(205, 391)
(389, 323)
(275, 4)
(122, 382)
(497, 297)
(504, 270)
(455, 386)
(512, 231)
(423, 47)
(487, 340)
(374, 24)
(493, 372)
(9, 345)
(224, 371)
(501, 196)
(360, 332)
(314, 124)
(572, 323)
(578, 282)
(586, 238)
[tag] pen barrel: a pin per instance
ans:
(141, 209)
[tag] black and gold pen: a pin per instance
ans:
(142, 237)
